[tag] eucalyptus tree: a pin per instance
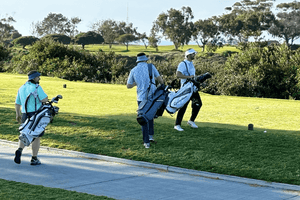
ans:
(153, 38)
(124, 28)
(287, 23)
(111, 30)
(126, 39)
(56, 24)
(143, 38)
(247, 18)
(205, 31)
(176, 25)
(6, 28)
(25, 40)
(59, 38)
(89, 37)
(108, 30)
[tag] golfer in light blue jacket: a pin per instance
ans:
(139, 76)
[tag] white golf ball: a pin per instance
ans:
(265, 131)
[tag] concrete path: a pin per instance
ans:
(126, 179)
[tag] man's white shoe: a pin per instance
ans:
(178, 128)
(192, 124)
(147, 145)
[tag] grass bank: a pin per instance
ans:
(100, 119)
(14, 190)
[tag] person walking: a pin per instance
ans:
(139, 77)
(184, 71)
(33, 105)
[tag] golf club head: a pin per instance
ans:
(55, 99)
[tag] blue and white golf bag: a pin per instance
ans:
(34, 126)
(148, 109)
(177, 99)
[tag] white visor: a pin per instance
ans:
(190, 51)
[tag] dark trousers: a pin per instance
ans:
(147, 129)
(196, 105)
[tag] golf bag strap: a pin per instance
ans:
(187, 68)
(187, 72)
(150, 77)
(150, 73)
(35, 95)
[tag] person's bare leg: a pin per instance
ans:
(35, 147)
(21, 145)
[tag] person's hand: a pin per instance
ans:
(19, 119)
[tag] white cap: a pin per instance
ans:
(190, 51)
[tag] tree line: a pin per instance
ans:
(243, 20)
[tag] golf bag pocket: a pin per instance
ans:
(34, 126)
(178, 99)
(148, 108)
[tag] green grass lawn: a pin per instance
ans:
(133, 50)
(11, 190)
(101, 119)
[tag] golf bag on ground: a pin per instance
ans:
(34, 126)
(178, 99)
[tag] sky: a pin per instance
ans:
(141, 13)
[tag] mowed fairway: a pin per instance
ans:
(100, 119)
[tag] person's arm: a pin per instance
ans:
(129, 86)
(160, 80)
(43, 95)
(18, 113)
(45, 100)
(180, 75)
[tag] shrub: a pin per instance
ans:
(271, 72)
(4, 56)
(52, 58)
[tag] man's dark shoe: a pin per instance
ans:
(35, 161)
(18, 157)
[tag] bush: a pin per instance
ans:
(4, 56)
(271, 72)
(52, 58)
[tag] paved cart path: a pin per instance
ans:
(126, 179)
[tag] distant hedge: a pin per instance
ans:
(52, 58)
(271, 72)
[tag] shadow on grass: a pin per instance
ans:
(220, 148)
